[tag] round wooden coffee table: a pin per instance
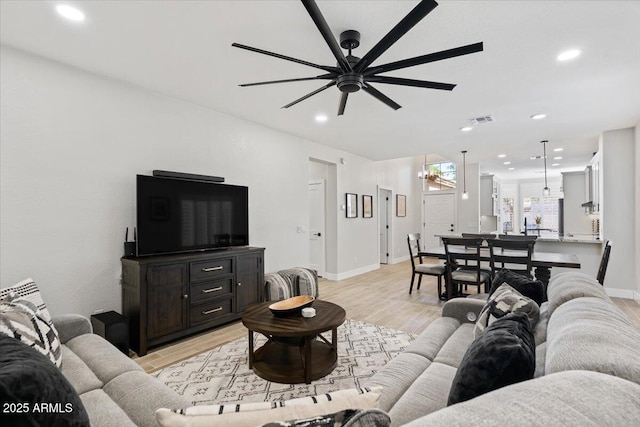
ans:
(295, 352)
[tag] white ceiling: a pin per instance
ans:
(183, 49)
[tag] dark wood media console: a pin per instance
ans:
(167, 297)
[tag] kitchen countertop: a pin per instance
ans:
(576, 238)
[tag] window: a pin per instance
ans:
(507, 214)
(545, 209)
(439, 176)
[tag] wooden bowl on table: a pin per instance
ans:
(291, 306)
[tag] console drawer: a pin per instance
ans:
(205, 270)
(201, 292)
(211, 311)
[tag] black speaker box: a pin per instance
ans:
(114, 327)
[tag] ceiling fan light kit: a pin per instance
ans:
(352, 74)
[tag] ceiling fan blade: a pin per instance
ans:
(323, 27)
(323, 76)
(287, 58)
(380, 96)
(431, 57)
(309, 95)
(416, 15)
(410, 82)
(343, 103)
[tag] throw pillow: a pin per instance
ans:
(506, 300)
(305, 280)
(346, 418)
(29, 290)
(531, 288)
(33, 391)
(21, 319)
(504, 354)
(277, 287)
(253, 414)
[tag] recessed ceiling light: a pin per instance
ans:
(507, 163)
(511, 169)
(501, 156)
(555, 164)
(321, 118)
(568, 55)
(70, 12)
(538, 116)
(557, 158)
(466, 128)
(558, 149)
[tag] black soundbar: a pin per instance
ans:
(188, 176)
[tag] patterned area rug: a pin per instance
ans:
(222, 375)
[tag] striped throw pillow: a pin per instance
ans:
(304, 279)
(277, 287)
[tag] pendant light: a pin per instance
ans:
(546, 191)
(465, 195)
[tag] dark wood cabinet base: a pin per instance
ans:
(167, 297)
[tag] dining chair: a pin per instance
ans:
(438, 270)
(509, 253)
(604, 262)
(465, 249)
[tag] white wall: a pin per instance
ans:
(637, 212)
(468, 210)
(618, 215)
(401, 176)
(576, 221)
(72, 143)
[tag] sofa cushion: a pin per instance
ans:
(427, 394)
(530, 288)
(503, 301)
(453, 350)
(102, 358)
(593, 334)
(504, 354)
(277, 287)
(22, 320)
(571, 285)
(572, 398)
(78, 373)
(253, 414)
(29, 380)
(140, 394)
(104, 412)
(429, 343)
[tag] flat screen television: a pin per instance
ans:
(177, 215)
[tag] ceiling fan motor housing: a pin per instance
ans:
(350, 82)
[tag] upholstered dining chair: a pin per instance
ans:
(420, 269)
(604, 262)
(512, 254)
(465, 249)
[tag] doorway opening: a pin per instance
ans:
(385, 202)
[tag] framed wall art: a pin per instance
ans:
(401, 205)
(367, 206)
(352, 205)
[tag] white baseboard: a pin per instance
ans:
(636, 296)
(352, 273)
(401, 259)
(621, 293)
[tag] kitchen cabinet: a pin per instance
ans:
(592, 189)
(489, 196)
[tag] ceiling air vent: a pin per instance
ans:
(482, 120)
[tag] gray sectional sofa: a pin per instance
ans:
(114, 390)
(587, 367)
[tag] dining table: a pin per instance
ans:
(541, 261)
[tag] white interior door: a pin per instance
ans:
(384, 208)
(439, 217)
(317, 236)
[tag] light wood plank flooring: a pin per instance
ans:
(380, 297)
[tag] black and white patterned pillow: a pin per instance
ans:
(503, 301)
(21, 319)
(277, 287)
(346, 418)
(29, 290)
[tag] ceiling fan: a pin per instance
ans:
(352, 73)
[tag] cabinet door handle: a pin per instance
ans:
(185, 296)
(208, 269)
(212, 310)
(206, 291)
(239, 284)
